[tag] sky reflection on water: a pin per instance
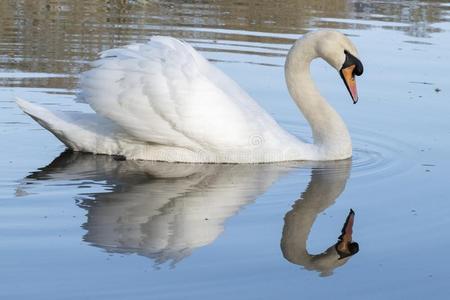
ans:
(86, 226)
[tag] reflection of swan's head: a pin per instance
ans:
(346, 246)
(337, 254)
(165, 211)
(326, 184)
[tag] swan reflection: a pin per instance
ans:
(323, 189)
(160, 210)
(165, 211)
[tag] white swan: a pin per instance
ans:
(163, 101)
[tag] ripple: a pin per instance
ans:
(375, 156)
(379, 156)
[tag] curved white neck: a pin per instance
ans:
(331, 137)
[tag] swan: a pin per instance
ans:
(164, 101)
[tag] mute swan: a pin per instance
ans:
(166, 211)
(164, 101)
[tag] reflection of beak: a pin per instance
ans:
(348, 76)
(347, 230)
(345, 246)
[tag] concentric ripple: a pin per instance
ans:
(378, 156)
(375, 156)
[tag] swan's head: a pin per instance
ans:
(341, 54)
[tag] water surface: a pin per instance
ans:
(83, 226)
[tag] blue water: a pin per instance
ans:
(79, 226)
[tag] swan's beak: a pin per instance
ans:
(348, 75)
(345, 246)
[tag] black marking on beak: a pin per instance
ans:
(352, 67)
(350, 59)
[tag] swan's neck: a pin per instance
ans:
(331, 137)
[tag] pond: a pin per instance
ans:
(82, 226)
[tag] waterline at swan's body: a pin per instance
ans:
(164, 101)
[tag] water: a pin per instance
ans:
(81, 226)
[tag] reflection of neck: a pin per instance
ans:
(329, 130)
(325, 186)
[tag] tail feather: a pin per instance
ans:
(53, 122)
(78, 131)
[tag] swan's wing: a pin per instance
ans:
(165, 92)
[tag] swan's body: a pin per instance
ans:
(164, 101)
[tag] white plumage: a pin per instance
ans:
(163, 101)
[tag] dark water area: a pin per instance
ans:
(80, 226)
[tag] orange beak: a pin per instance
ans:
(348, 76)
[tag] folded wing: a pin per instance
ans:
(164, 92)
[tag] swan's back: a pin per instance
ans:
(164, 92)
